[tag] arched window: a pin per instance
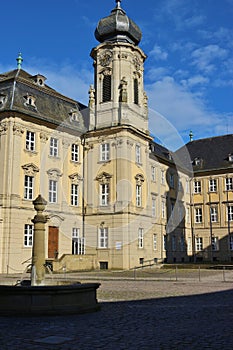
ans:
(107, 88)
(135, 91)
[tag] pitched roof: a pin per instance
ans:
(50, 105)
(208, 154)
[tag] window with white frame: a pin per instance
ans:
(78, 243)
(30, 141)
(199, 244)
(153, 173)
(162, 177)
(212, 185)
(215, 243)
(213, 214)
(104, 194)
(103, 237)
(138, 153)
(163, 210)
(230, 213)
(28, 235)
(153, 207)
(52, 191)
(74, 152)
(104, 152)
(180, 187)
(197, 186)
(155, 241)
(28, 187)
(231, 242)
(140, 237)
(74, 194)
(229, 183)
(53, 149)
(198, 215)
(138, 195)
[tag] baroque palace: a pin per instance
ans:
(115, 198)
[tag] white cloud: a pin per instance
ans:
(158, 54)
(195, 80)
(182, 109)
(154, 74)
(205, 58)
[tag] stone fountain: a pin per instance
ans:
(39, 297)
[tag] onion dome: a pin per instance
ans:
(118, 27)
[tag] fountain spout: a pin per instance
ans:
(38, 249)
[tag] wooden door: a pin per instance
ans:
(53, 242)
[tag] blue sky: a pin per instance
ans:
(188, 72)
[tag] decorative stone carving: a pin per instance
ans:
(137, 63)
(30, 169)
(44, 137)
(106, 58)
(104, 178)
(139, 179)
(123, 90)
(66, 143)
(75, 178)
(129, 143)
(3, 128)
(54, 174)
(91, 98)
(18, 130)
(3, 99)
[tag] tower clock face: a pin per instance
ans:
(106, 58)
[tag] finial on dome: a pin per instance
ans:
(19, 60)
(118, 4)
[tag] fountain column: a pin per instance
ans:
(38, 249)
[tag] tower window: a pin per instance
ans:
(107, 88)
(135, 91)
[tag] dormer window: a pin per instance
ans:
(197, 162)
(230, 157)
(2, 99)
(39, 79)
(30, 100)
(74, 117)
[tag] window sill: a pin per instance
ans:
(30, 151)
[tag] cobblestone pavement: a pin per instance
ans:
(135, 314)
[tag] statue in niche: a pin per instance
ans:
(123, 90)
(91, 97)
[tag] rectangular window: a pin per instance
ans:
(30, 141)
(138, 153)
(104, 194)
(163, 210)
(140, 237)
(28, 187)
(197, 187)
(171, 180)
(182, 244)
(173, 243)
(180, 187)
(104, 152)
(188, 215)
(74, 194)
(74, 152)
(198, 215)
(153, 207)
(164, 242)
(138, 195)
(231, 242)
(214, 214)
(162, 177)
(187, 186)
(189, 244)
(153, 173)
(78, 243)
(103, 237)
(52, 191)
(215, 244)
(229, 184)
(155, 241)
(230, 213)
(53, 150)
(199, 244)
(28, 235)
(212, 185)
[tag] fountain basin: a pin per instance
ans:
(48, 300)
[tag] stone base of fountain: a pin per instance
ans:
(48, 300)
